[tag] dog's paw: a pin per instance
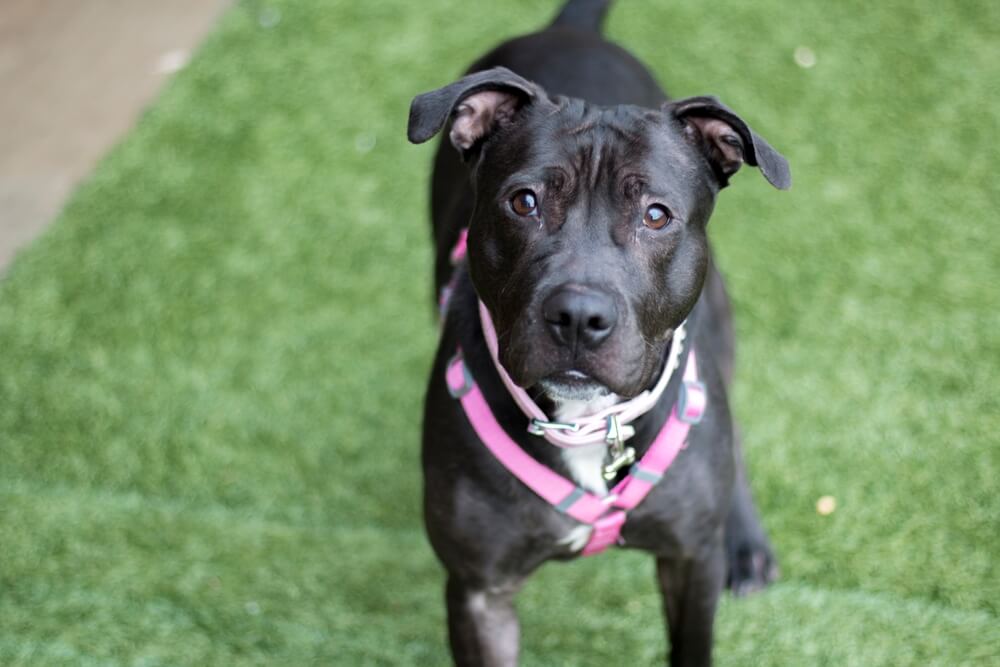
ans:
(751, 565)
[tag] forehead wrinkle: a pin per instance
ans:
(595, 158)
(585, 126)
(625, 133)
(598, 145)
(595, 166)
(606, 164)
(619, 120)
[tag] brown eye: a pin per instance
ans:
(524, 203)
(656, 217)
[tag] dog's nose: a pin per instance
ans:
(577, 314)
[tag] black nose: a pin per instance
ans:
(577, 314)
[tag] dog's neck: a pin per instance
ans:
(585, 464)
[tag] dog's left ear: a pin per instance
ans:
(728, 141)
(480, 103)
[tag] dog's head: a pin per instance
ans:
(587, 243)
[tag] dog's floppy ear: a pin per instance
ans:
(728, 141)
(478, 103)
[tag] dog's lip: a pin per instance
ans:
(572, 379)
(571, 376)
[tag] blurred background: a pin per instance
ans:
(74, 77)
(216, 322)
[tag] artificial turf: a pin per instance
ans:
(211, 367)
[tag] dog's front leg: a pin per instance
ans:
(691, 590)
(482, 624)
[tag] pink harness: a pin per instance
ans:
(607, 514)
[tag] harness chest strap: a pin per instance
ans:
(605, 514)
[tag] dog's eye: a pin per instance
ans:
(524, 203)
(656, 217)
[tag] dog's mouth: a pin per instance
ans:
(572, 385)
(623, 365)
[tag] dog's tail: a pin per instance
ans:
(582, 14)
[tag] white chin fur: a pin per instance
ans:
(561, 392)
(571, 406)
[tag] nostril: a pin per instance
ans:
(597, 323)
(559, 318)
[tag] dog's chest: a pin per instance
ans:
(586, 466)
(585, 463)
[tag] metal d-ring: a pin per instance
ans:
(619, 455)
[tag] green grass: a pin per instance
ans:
(211, 367)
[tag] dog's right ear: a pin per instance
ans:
(478, 103)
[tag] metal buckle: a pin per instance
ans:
(540, 426)
(619, 454)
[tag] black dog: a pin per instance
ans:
(586, 195)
